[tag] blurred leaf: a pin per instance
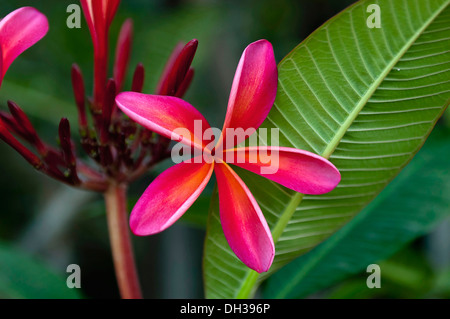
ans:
(415, 202)
(197, 214)
(159, 36)
(353, 289)
(22, 276)
(39, 104)
(405, 275)
(442, 285)
(364, 98)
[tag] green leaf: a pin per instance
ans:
(404, 210)
(22, 276)
(366, 99)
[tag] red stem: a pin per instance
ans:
(126, 274)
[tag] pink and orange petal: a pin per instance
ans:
(302, 171)
(243, 223)
(253, 91)
(169, 196)
(166, 115)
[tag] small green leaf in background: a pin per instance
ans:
(23, 277)
(411, 206)
(365, 98)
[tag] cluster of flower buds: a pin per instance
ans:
(121, 149)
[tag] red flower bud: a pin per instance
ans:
(27, 128)
(12, 126)
(29, 156)
(108, 107)
(65, 141)
(169, 65)
(123, 49)
(185, 84)
(79, 93)
(175, 71)
(138, 78)
(68, 153)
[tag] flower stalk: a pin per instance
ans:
(121, 247)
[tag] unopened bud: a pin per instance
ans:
(185, 84)
(29, 156)
(79, 93)
(108, 106)
(177, 71)
(138, 78)
(123, 49)
(30, 134)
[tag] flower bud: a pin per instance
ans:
(123, 49)
(175, 72)
(138, 78)
(79, 93)
(29, 156)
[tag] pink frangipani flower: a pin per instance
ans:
(169, 196)
(19, 30)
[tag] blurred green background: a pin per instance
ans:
(45, 226)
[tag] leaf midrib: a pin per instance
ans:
(252, 276)
(371, 90)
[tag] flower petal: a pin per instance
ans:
(164, 115)
(19, 30)
(243, 223)
(253, 91)
(302, 171)
(168, 197)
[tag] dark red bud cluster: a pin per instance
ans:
(57, 163)
(122, 149)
